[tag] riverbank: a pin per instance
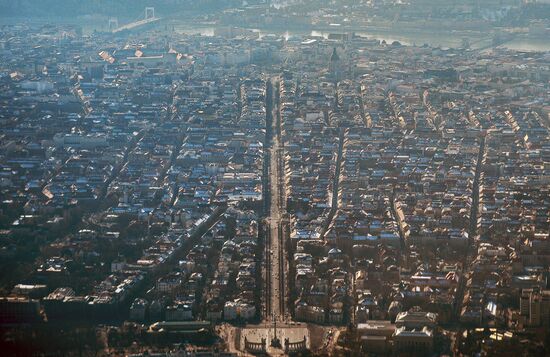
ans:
(405, 35)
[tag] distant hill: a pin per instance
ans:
(123, 8)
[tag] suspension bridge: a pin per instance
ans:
(147, 18)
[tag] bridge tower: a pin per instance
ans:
(113, 23)
(149, 13)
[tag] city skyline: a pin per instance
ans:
(274, 178)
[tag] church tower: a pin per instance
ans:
(335, 66)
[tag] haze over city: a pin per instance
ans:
(303, 177)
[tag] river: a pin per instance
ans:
(442, 39)
(404, 36)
